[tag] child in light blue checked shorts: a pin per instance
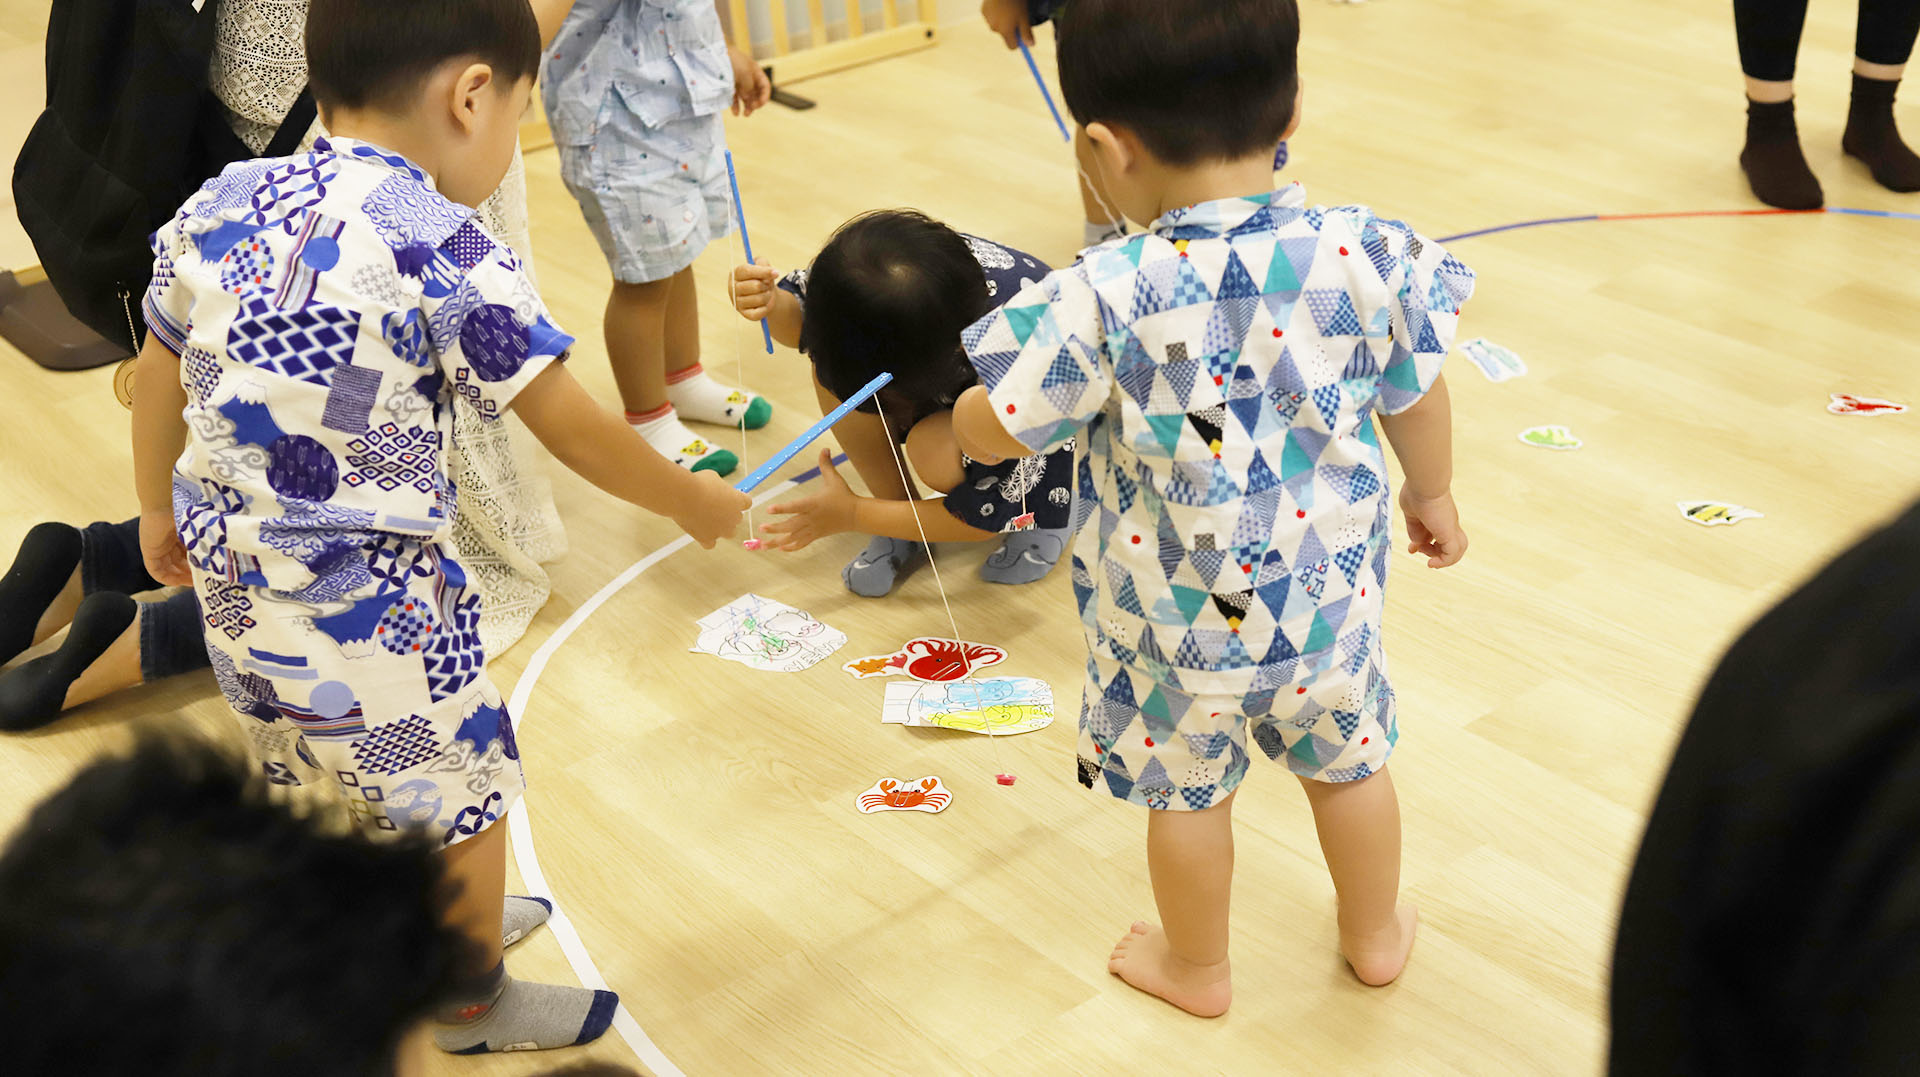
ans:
(634, 91)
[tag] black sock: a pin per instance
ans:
(1776, 169)
(110, 559)
(1872, 136)
(34, 694)
(172, 639)
(47, 558)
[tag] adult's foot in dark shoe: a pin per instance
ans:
(1873, 138)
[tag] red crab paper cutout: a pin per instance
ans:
(1848, 404)
(897, 794)
(929, 658)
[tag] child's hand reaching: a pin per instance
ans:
(162, 550)
(716, 511)
(751, 87)
(828, 512)
(754, 291)
(1433, 528)
(1009, 19)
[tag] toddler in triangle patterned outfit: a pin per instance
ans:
(1226, 368)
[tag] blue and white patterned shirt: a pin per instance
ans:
(1227, 365)
(662, 60)
(325, 308)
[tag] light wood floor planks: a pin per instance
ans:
(696, 818)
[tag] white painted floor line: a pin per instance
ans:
(520, 820)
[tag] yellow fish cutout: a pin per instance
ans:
(1717, 513)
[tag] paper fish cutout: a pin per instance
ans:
(1717, 513)
(998, 706)
(1497, 363)
(766, 635)
(929, 658)
(897, 794)
(1550, 437)
(1848, 404)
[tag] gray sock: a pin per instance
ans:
(871, 574)
(500, 1013)
(1025, 556)
(522, 915)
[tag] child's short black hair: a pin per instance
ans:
(163, 917)
(374, 53)
(891, 292)
(1196, 80)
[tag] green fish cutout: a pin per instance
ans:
(1550, 437)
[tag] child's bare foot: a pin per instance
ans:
(1143, 959)
(1378, 956)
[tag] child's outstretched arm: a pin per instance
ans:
(600, 447)
(979, 432)
(836, 509)
(757, 296)
(1422, 439)
(159, 435)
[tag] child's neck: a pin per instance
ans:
(401, 134)
(1213, 180)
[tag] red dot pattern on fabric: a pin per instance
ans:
(1136, 540)
(1300, 691)
(1278, 332)
(1363, 740)
(1009, 409)
(1301, 513)
(1149, 742)
(1343, 250)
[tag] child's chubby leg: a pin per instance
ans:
(694, 394)
(636, 330)
(1183, 959)
(1359, 826)
(864, 438)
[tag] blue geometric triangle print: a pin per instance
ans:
(1361, 364)
(1197, 797)
(993, 366)
(1127, 598)
(1082, 590)
(1375, 245)
(1221, 489)
(1219, 364)
(1363, 483)
(1189, 482)
(1235, 281)
(1065, 370)
(1280, 650)
(1333, 312)
(1279, 306)
(1188, 289)
(1380, 326)
(1310, 550)
(1234, 655)
(1335, 612)
(1201, 648)
(1134, 370)
(1428, 341)
(1150, 654)
(1259, 476)
(1327, 399)
(1171, 552)
(1153, 775)
(1254, 528)
(1207, 562)
(1291, 264)
(1245, 399)
(1179, 373)
(1145, 299)
(1124, 489)
(1117, 783)
(1274, 594)
(1162, 279)
(1284, 379)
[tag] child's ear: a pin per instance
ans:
(465, 100)
(1115, 148)
(1299, 101)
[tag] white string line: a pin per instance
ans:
(519, 820)
(913, 505)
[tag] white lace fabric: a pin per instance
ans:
(506, 524)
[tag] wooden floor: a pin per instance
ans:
(696, 819)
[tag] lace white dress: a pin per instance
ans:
(506, 523)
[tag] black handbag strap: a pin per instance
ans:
(294, 127)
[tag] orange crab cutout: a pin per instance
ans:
(929, 658)
(898, 794)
